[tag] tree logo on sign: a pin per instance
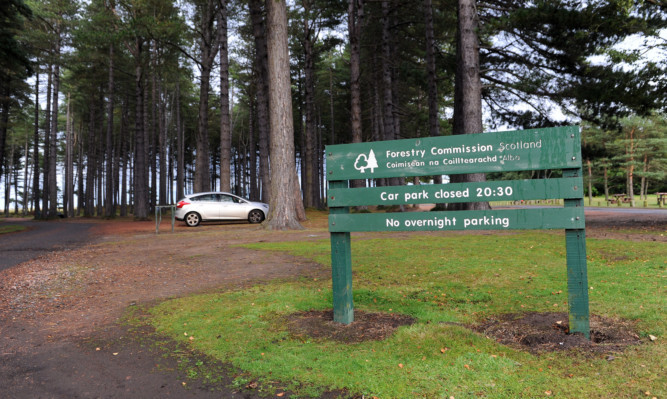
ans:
(371, 162)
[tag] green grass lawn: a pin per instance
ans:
(445, 283)
(10, 228)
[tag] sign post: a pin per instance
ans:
(536, 149)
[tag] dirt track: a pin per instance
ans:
(60, 336)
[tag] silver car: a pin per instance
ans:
(200, 207)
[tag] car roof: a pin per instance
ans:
(211, 192)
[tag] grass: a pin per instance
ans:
(11, 228)
(444, 282)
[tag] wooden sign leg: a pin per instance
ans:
(577, 282)
(341, 273)
(577, 273)
(341, 267)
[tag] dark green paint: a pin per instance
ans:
(505, 190)
(341, 267)
(577, 270)
(508, 219)
(552, 148)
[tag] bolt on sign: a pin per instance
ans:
(525, 150)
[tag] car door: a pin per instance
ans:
(227, 207)
(208, 206)
(232, 208)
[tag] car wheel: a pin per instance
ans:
(256, 216)
(192, 219)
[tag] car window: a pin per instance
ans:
(226, 198)
(205, 197)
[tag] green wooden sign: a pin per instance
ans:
(509, 219)
(505, 190)
(554, 148)
(537, 149)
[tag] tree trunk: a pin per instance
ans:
(254, 189)
(180, 156)
(162, 145)
(4, 120)
(631, 168)
(53, 142)
(388, 120)
(26, 189)
(35, 152)
(68, 198)
(355, 18)
(80, 205)
(590, 182)
(124, 139)
(109, 210)
(225, 122)
(140, 175)
(433, 120)
(644, 183)
(89, 209)
(468, 89)
(286, 207)
(47, 140)
(261, 72)
(606, 184)
(209, 44)
(308, 164)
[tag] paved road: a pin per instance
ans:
(40, 238)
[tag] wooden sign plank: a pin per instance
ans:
(505, 190)
(553, 148)
(509, 219)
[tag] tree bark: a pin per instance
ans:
(433, 120)
(68, 198)
(47, 140)
(124, 139)
(388, 120)
(468, 89)
(355, 21)
(209, 44)
(89, 209)
(308, 164)
(53, 141)
(590, 182)
(286, 207)
(109, 210)
(35, 152)
(225, 122)
(4, 121)
(261, 73)
(140, 173)
(162, 144)
(180, 159)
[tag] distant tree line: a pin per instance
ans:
(110, 107)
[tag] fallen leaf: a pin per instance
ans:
(652, 337)
(443, 350)
(192, 338)
(548, 393)
(400, 365)
(281, 394)
(466, 366)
